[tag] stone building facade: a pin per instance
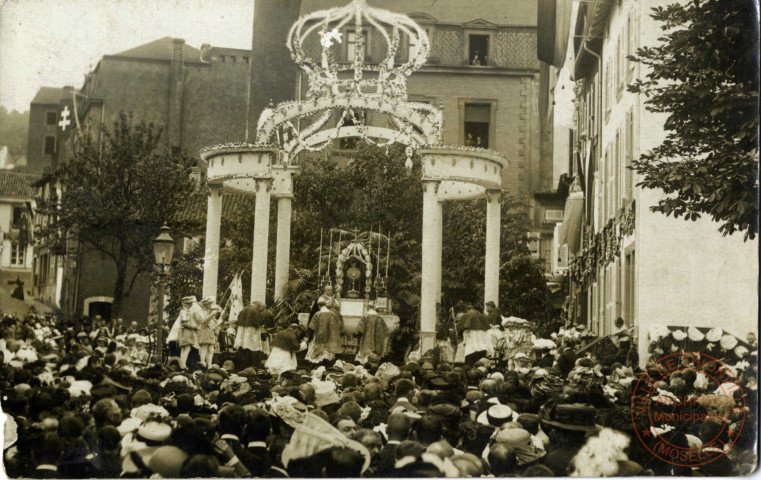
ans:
(198, 96)
(629, 262)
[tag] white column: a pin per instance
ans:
(211, 254)
(261, 238)
(439, 213)
(283, 249)
(492, 259)
(431, 268)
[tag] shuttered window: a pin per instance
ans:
(629, 155)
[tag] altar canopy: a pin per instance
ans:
(336, 105)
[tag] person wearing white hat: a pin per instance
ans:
(206, 338)
(189, 318)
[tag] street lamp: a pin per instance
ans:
(163, 249)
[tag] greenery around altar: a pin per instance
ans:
(376, 188)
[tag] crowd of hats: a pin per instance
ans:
(83, 413)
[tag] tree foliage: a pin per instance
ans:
(13, 130)
(704, 76)
(115, 201)
(373, 188)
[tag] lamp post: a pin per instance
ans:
(163, 249)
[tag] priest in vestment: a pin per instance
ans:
(329, 297)
(251, 336)
(284, 345)
(326, 341)
(374, 335)
(475, 331)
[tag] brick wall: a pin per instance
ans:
(512, 96)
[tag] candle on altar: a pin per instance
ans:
(330, 251)
(319, 263)
(377, 271)
(388, 251)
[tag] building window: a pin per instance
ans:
(17, 255)
(359, 118)
(49, 147)
(631, 44)
(44, 267)
(18, 217)
(233, 59)
(478, 53)
(620, 68)
(51, 118)
(553, 215)
(477, 123)
(533, 244)
(351, 45)
(629, 275)
(245, 59)
(222, 58)
(545, 255)
(628, 154)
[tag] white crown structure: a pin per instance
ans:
(346, 90)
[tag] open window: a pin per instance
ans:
(477, 123)
(478, 53)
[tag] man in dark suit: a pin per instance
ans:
(232, 422)
(47, 455)
(258, 428)
(397, 429)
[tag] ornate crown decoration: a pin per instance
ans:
(325, 75)
(347, 91)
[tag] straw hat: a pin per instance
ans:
(290, 410)
(325, 393)
(314, 435)
(496, 415)
(520, 440)
(189, 299)
(154, 431)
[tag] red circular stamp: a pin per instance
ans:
(667, 413)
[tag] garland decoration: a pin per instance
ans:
(601, 248)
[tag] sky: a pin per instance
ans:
(55, 43)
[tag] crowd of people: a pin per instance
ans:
(87, 402)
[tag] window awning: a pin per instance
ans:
(554, 23)
(569, 229)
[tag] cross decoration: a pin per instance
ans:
(65, 122)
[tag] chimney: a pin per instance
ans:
(205, 52)
(176, 81)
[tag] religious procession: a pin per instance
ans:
(365, 239)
